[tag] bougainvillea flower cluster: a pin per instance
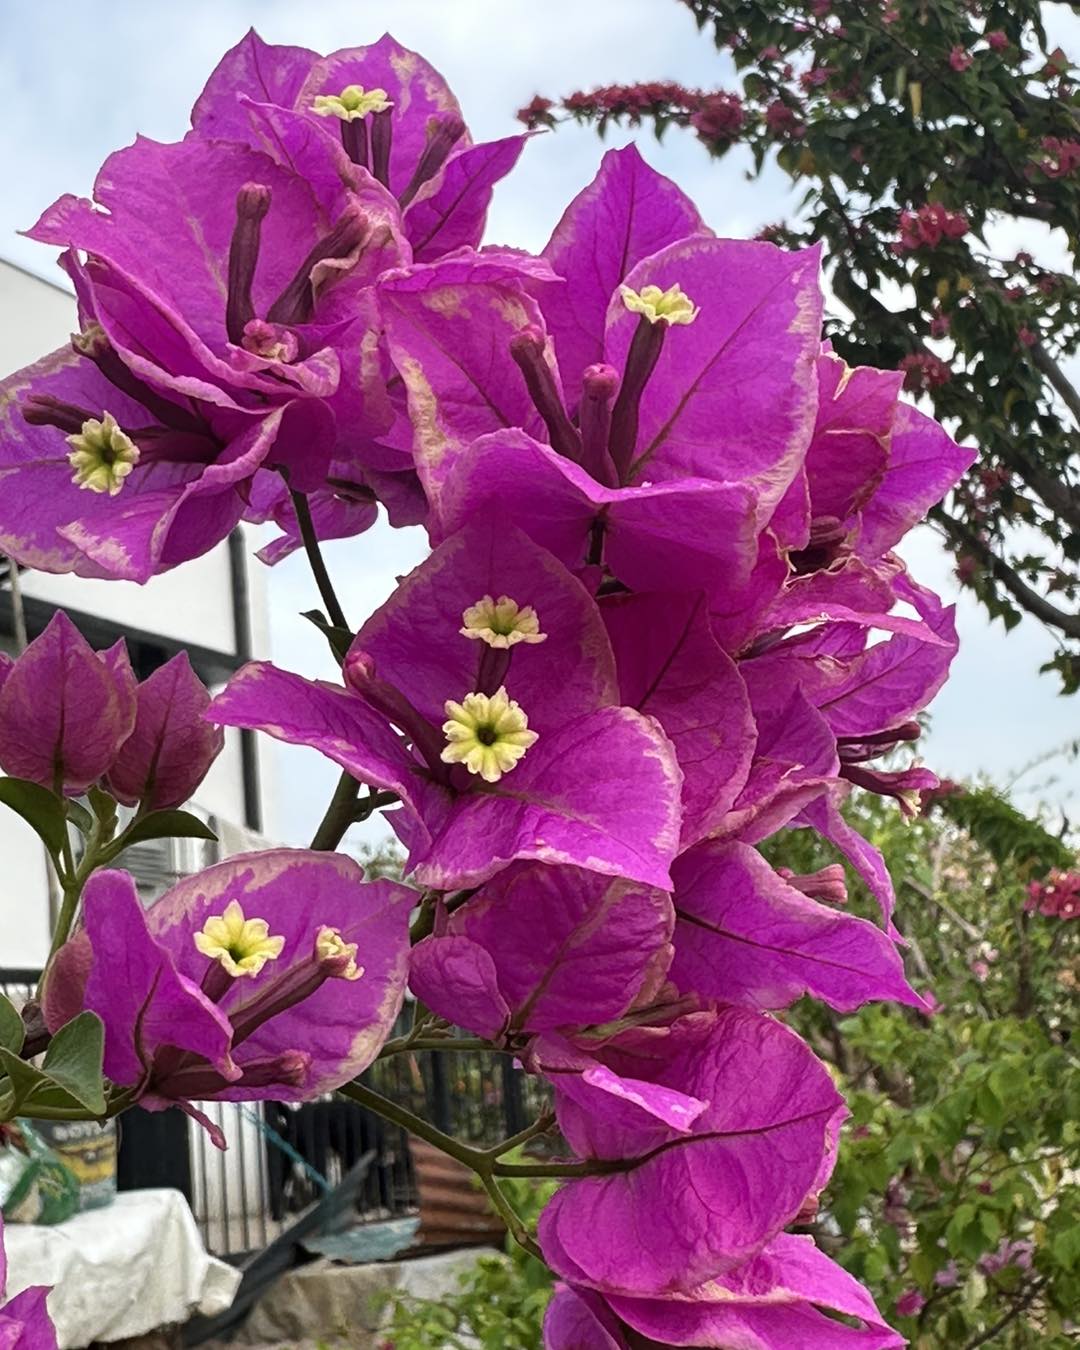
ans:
(1056, 896)
(228, 332)
(928, 226)
(274, 974)
(1061, 157)
(662, 620)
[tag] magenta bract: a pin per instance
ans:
(544, 948)
(417, 146)
(772, 1302)
(724, 1119)
(24, 1320)
(627, 212)
(746, 936)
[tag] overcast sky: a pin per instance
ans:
(81, 79)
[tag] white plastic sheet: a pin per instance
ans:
(120, 1271)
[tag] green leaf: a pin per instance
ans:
(165, 825)
(74, 1060)
(41, 809)
(990, 1224)
(340, 639)
(954, 1233)
(80, 817)
(71, 1076)
(12, 1030)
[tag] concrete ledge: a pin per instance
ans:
(342, 1306)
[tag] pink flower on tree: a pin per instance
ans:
(1055, 897)
(718, 118)
(782, 119)
(959, 59)
(928, 226)
(923, 371)
(1061, 157)
(910, 1303)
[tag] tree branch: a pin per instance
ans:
(1011, 1316)
(1026, 595)
(1056, 495)
(1045, 363)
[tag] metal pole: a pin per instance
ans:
(19, 634)
(241, 607)
(18, 613)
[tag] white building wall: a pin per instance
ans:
(191, 605)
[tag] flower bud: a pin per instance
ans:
(171, 746)
(64, 711)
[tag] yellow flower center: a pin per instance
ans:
(101, 455)
(331, 946)
(501, 623)
(352, 103)
(243, 946)
(670, 306)
(488, 734)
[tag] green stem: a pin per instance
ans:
(310, 539)
(481, 1161)
(64, 920)
(540, 1125)
(514, 1226)
(72, 880)
(424, 923)
(401, 1044)
(340, 814)
(367, 806)
(567, 1169)
(398, 1115)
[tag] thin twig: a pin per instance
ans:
(310, 539)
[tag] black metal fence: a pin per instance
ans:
(283, 1158)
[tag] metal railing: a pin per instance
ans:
(283, 1158)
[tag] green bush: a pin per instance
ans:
(502, 1301)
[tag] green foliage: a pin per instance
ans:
(1005, 833)
(965, 1129)
(502, 1301)
(12, 1032)
(875, 109)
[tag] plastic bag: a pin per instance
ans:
(35, 1186)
